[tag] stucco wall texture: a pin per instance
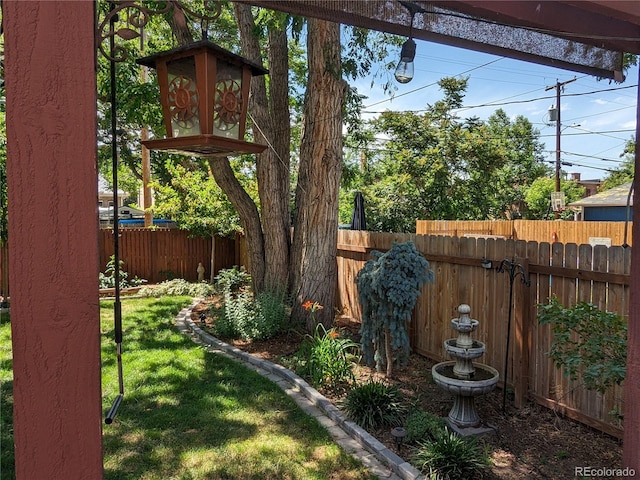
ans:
(51, 154)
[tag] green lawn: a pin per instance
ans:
(190, 414)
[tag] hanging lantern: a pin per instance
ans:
(204, 91)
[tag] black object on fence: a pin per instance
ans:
(358, 220)
(513, 269)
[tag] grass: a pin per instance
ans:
(188, 414)
(6, 400)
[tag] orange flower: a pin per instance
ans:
(307, 305)
(333, 334)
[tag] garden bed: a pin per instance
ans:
(531, 442)
(110, 292)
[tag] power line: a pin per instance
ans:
(552, 97)
(572, 164)
(601, 113)
(499, 103)
(431, 84)
(589, 132)
(594, 157)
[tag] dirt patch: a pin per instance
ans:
(532, 442)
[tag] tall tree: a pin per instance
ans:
(437, 166)
(271, 125)
(313, 256)
(307, 266)
(267, 229)
(311, 269)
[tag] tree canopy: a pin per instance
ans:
(436, 165)
(625, 171)
(538, 198)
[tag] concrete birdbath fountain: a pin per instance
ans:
(463, 378)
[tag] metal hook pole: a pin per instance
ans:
(513, 269)
(117, 308)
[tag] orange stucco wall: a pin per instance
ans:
(52, 186)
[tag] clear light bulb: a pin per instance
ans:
(404, 70)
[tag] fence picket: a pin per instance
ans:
(529, 230)
(157, 255)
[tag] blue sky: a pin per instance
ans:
(597, 119)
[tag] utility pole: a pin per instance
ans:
(146, 160)
(558, 86)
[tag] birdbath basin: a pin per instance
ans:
(463, 412)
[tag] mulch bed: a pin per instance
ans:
(532, 442)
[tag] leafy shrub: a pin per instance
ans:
(388, 287)
(178, 287)
(244, 315)
(327, 359)
(587, 343)
(238, 315)
(273, 313)
(451, 457)
(374, 404)
(108, 278)
(233, 279)
(423, 426)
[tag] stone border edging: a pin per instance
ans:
(397, 464)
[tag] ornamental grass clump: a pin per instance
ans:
(388, 288)
(374, 404)
(450, 457)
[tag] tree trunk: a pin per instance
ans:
(388, 352)
(313, 259)
(179, 27)
(246, 208)
(273, 164)
(212, 276)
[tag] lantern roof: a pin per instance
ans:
(219, 52)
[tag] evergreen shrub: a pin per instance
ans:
(422, 426)
(388, 288)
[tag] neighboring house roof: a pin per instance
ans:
(105, 189)
(614, 197)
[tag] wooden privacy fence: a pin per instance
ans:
(572, 273)
(155, 255)
(530, 230)
(162, 254)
